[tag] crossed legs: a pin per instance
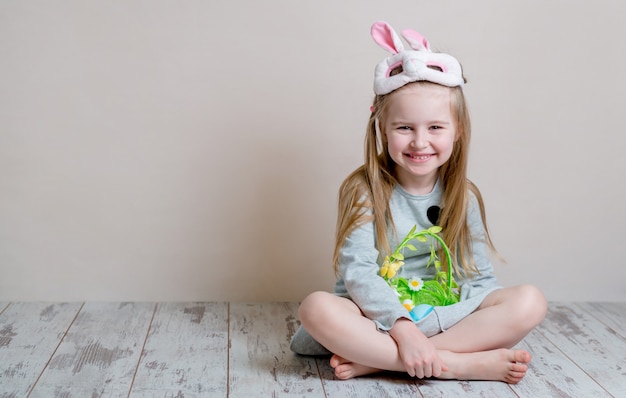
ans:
(478, 347)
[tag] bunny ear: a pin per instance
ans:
(386, 37)
(416, 40)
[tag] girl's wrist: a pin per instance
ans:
(404, 327)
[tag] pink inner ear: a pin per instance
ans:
(383, 35)
(417, 41)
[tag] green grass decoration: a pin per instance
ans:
(440, 291)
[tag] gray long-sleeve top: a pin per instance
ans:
(359, 277)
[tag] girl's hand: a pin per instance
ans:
(418, 353)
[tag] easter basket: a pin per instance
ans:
(417, 295)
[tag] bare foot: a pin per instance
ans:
(345, 369)
(499, 365)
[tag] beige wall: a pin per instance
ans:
(192, 150)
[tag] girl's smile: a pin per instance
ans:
(418, 157)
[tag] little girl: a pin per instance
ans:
(415, 174)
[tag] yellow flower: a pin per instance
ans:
(384, 268)
(390, 268)
(416, 284)
(408, 304)
(393, 268)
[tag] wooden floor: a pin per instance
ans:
(96, 349)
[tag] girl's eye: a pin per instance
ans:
(404, 128)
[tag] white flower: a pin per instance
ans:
(416, 284)
(408, 304)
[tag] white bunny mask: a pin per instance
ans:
(420, 64)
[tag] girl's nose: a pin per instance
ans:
(420, 140)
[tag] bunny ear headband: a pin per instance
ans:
(420, 64)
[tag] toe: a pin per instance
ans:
(335, 361)
(521, 356)
(519, 367)
(342, 372)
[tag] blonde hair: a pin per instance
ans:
(364, 195)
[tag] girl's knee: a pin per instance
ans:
(312, 307)
(531, 303)
(323, 310)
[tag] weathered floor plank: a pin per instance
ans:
(611, 314)
(596, 348)
(186, 353)
(260, 361)
(29, 335)
(465, 389)
(61, 350)
(99, 354)
(388, 385)
(553, 373)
